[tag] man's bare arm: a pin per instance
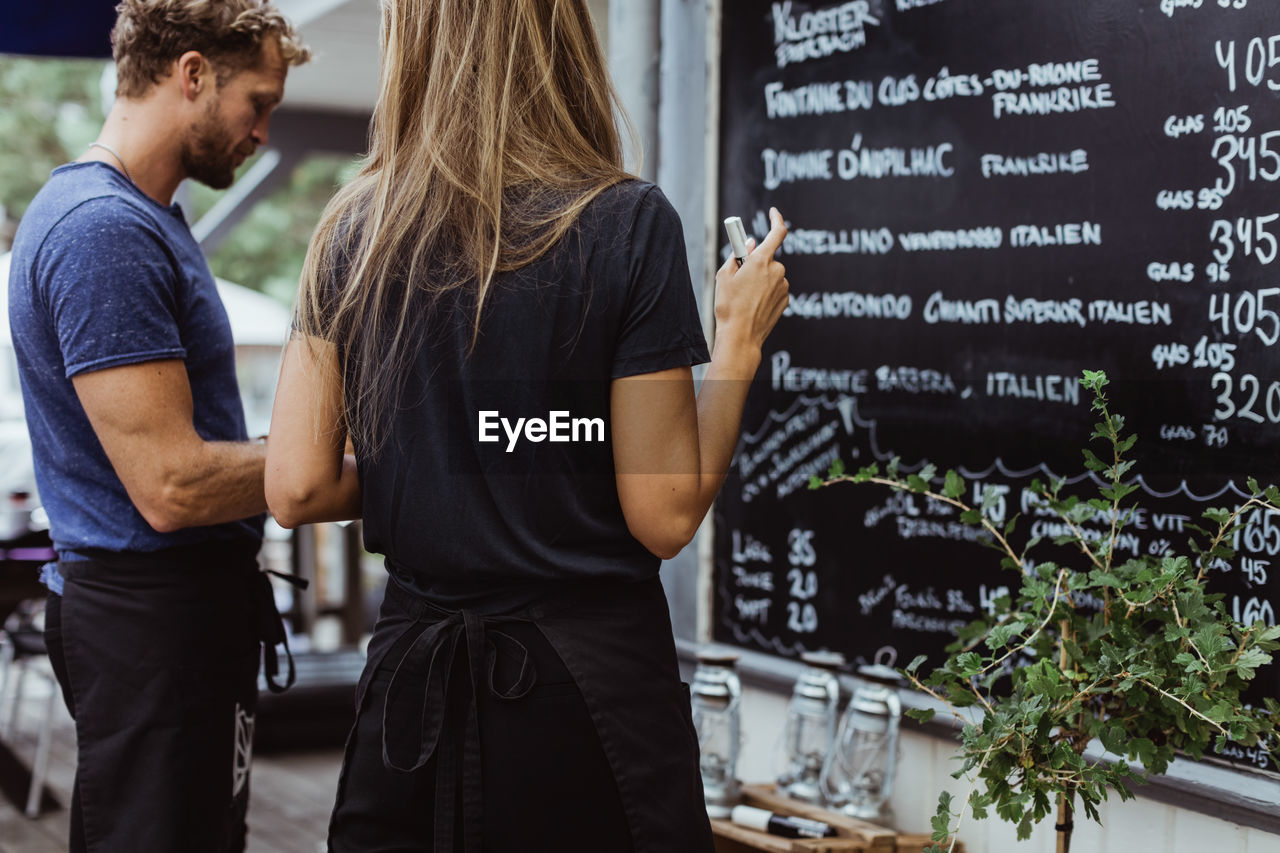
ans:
(142, 415)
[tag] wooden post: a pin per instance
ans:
(1064, 823)
(1064, 799)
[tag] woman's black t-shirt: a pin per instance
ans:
(466, 499)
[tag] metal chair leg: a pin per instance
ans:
(40, 767)
(19, 683)
(6, 669)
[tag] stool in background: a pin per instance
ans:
(22, 648)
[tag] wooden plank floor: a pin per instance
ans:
(292, 793)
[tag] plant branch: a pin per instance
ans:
(1053, 606)
(1227, 526)
(900, 486)
(1115, 481)
(1181, 702)
(1077, 533)
(973, 786)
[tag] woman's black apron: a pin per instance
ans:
(436, 667)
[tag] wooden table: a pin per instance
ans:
(854, 836)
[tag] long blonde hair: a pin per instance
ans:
(494, 128)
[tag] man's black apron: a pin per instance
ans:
(158, 657)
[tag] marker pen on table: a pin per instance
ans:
(786, 826)
(737, 238)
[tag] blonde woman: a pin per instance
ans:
(501, 320)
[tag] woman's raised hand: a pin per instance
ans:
(751, 298)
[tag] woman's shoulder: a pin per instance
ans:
(632, 203)
(632, 194)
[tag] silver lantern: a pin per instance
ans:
(811, 726)
(716, 694)
(860, 771)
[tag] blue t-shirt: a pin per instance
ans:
(103, 276)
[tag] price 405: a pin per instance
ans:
(1246, 312)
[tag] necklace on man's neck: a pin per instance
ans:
(119, 159)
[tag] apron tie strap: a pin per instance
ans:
(271, 629)
(441, 732)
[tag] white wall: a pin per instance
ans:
(600, 15)
(925, 765)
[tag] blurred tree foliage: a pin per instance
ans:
(265, 250)
(51, 109)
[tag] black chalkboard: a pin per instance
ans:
(984, 199)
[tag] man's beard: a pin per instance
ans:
(208, 153)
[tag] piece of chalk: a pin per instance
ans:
(737, 238)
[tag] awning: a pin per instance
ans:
(69, 28)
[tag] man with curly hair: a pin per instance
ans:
(157, 615)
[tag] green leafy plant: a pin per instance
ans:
(1132, 653)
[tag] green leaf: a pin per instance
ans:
(837, 468)
(941, 820)
(954, 486)
(1218, 515)
(1094, 380)
(920, 715)
(815, 482)
(1249, 661)
(969, 664)
(1001, 634)
(1092, 462)
(1220, 712)
(1105, 579)
(1024, 827)
(1113, 740)
(990, 497)
(1117, 492)
(915, 664)
(1144, 749)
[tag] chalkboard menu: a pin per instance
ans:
(984, 199)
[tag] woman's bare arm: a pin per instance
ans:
(309, 475)
(672, 449)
